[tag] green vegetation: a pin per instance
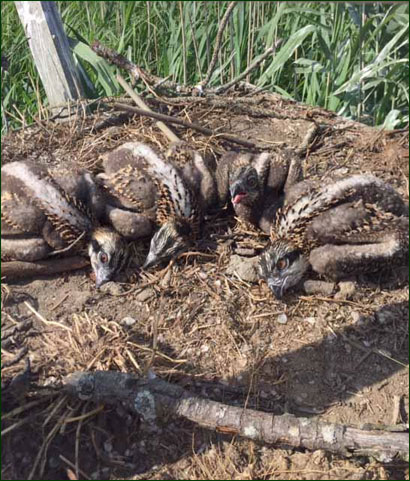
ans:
(349, 58)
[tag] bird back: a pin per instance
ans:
(68, 215)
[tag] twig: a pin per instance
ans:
(138, 100)
(396, 409)
(77, 443)
(357, 345)
(135, 71)
(217, 47)
(337, 301)
(42, 319)
(72, 465)
(58, 303)
(44, 447)
(15, 426)
(253, 65)
(161, 354)
(133, 361)
(310, 134)
(65, 249)
(188, 125)
(23, 408)
(84, 415)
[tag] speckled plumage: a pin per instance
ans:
(46, 210)
(358, 224)
(172, 190)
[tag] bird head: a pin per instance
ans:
(108, 253)
(167, 243)
(245, 186)
(282, 266)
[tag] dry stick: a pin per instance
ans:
(138, 100)
(396, 409)
(188, 125)
(13, 270)
(134, 70)
(137, 73)
(256, 63)
(21, 409)
(70, 246)
(15, 426)
(42, 319)
(155, 397)
(72, 465)
(77, 444)
(218, 41)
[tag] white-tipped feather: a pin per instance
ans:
(50, 199)
(318, 200)
(167, 174)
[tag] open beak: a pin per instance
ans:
(237, 193)
(277, 290)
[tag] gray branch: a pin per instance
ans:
(154, 398)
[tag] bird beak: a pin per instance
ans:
(277, 290)
(150, 261)
(237, 193)
(101, 277)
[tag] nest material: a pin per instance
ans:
(193, 324)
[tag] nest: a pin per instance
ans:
(193, 323)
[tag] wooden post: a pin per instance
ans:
(51, 52)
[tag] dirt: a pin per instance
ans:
(339, 358)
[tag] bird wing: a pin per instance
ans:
(294, 217)
(67, 216)
(175, 199)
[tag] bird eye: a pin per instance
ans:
(103, 257)
(282, 264)
(252, 182)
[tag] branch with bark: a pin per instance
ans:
(137, 72)
(169, 87)
(154, 398)
(188, 125)
(218, 42)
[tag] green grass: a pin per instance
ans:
(349, 58)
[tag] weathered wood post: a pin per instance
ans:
(51, 52)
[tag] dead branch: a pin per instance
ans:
(153, 398)
(252, 66)
(14, 270)
(138, 100)
(155, 83)
(218, 41)
(135, 71)
(188, 125)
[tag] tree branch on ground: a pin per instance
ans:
(154, 398)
